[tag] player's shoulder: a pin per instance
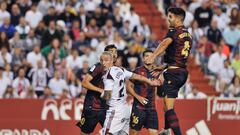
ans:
(140, 68)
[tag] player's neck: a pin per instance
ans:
(149, 67)
(178, 25)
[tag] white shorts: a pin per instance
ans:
(117, 119)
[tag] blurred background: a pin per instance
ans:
(47, 47)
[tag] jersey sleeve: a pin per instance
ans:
(170, 33)
(109, 81)
(127, 74)
(95, 70)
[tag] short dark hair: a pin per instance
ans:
(146, 51)
(108, 47)
(177, 11)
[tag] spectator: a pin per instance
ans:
(109, 30)
(74, 86)
(18, 58)
(4, 82)
(80, 43)
(189, 16)
(22, 28)
(47, 94)
(225, 48)
(82, 71)
(5, 57)
(65, 95)
(132, 53)
(50, 64)
(16, 42)
(196, 33)
(24, 6)
(90, 5)
(153, 42)
(40, 30)
(194, 5)
(231, 35)
(141, 33)
(124, 6)
(205, 49)
(28, 94)
(75, 31)
(31, 41)
(133, 18)
(50, 16)
(234, 88)
(118, 42)
(235, 16)
(3, 12)
(73, 60)
(34, 56)
(55, 48)
(216, 62)
(221, 18)
(50, 34)
(15, 14)
(97, 14)
(68, 15)
(43, 6)
(8, 27)
(4, 40)
(82, 17)
(126, 31)
(39, 77)
(195, 94)
(203, 15)
(57, 84)
(59, 5)
(33, 16)
(88, 56)
(106, 6)
(92, 30)
(132, 63)
(20, 83)
(213, 33)
(117, 18)
(10, 93)
(8, 72)
(236, 63)
(225, 76)
(67, 43)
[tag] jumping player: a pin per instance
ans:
(176, 45)
(144, 114)
(118, 113)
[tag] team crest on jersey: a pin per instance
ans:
(82, 121)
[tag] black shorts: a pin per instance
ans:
(90, 119)
(147, 118)
(174, 79)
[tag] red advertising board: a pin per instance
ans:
(51, 117)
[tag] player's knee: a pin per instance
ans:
(133, 132)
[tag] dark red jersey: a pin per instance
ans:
(92, 99)
(144, 89)
(178, 51)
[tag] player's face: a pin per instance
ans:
(171, 19)
(146, 56)
(106, 61)
(114, 53)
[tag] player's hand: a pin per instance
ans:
(155, 82)
(155, 73)
(142, 100)
(106, 94)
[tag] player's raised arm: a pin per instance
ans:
(144, 79)
(87, 84)
(161, 48)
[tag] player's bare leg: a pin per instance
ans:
(133, 132)
(170, 115)
(152, 131)
(84, 133)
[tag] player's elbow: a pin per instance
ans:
(85, 83)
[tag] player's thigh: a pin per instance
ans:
(151, 119)
(174, 80)
(133, 132)
(169, 103)
(88, 121)
(152, 131)
(137, 119)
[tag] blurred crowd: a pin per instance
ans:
(47, 46)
